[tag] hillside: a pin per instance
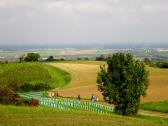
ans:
(33, 73)
(42, 116)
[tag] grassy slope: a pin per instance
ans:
(42, 116)
(33, 73)
(161, 106)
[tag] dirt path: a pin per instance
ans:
(83, 81)
(153, 114)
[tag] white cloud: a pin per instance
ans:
(15, 3)
(67, 7)
(156, 7)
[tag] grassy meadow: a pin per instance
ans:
(44, 116)
(33, 73)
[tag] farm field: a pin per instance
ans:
(32, 73)
(44, 116)
(84, 74)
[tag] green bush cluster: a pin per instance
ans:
(37, 87)
(32, 57)
(162, 64)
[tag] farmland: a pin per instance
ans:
(84, 74)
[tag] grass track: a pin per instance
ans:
(42, 116)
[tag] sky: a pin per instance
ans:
(83, 21)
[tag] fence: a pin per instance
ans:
(68, 104)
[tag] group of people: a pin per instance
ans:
(93, 98)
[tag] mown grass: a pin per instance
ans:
(161, 106)
(33, 73)
(43, 116)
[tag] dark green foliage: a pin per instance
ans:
(32, 57)
(123, 82)
(37, 87)
(162, 64)
(101, 58)
(50, 58)
(147, 61)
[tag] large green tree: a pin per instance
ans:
(123, 82)
(32, 57)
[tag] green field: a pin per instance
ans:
(33, 73)
(161, 106)
(43, 116)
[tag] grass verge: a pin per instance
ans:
(161, 106)
(44, 116)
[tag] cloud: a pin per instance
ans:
(155, 8)
(68, 7)
(15, 3)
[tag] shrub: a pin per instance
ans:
(8, 96)
(162, 64)
(37, 87)
(101, 58)
(13, 85)
(34, 102)
(32, 57)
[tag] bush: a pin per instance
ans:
(37, 87)
(32, 57)
(162, 64)
(101, 58)
(34, 102)
(13, 86)
(7, 96)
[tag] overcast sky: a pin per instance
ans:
(83, 21)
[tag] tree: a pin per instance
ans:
(50, 58)
(21, 58)
(123, 82)
(32, 57)
(101, 58)
(147, 61)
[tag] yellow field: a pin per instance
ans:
(84, 75)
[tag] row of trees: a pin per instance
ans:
(152, 63)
